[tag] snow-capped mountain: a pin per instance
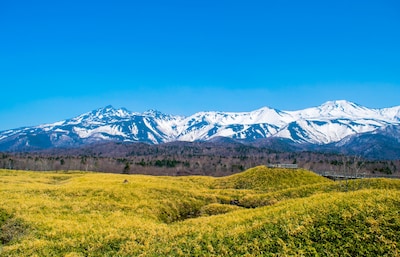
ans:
(331, 122)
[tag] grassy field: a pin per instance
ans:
(259, 212)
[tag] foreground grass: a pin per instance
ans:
(260, 212)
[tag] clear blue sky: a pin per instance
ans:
(59, 59)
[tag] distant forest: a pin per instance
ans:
(194, 158)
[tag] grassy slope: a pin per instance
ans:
(299, 213)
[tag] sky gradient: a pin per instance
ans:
(59, 59)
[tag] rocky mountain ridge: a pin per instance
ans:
(334, 124)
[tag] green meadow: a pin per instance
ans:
(259, 212)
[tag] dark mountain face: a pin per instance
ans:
(380, 144)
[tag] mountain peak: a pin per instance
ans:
(340, 104)
(156, 114)
(105, 109)
(153, 112)
(101, 115)
(344, 109)
(109, 110)
(109, 107)
(267, 109)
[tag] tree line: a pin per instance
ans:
(187, 159)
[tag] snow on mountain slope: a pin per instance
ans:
(335, 120)
(325, 131)
(208, 125)
(393, 114)
(263, 115)
(344, 109)
(324, 124)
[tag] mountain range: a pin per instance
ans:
(333, 125)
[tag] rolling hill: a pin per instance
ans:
(261, 211)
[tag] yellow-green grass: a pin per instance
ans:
(260, 212)
(266, 180)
